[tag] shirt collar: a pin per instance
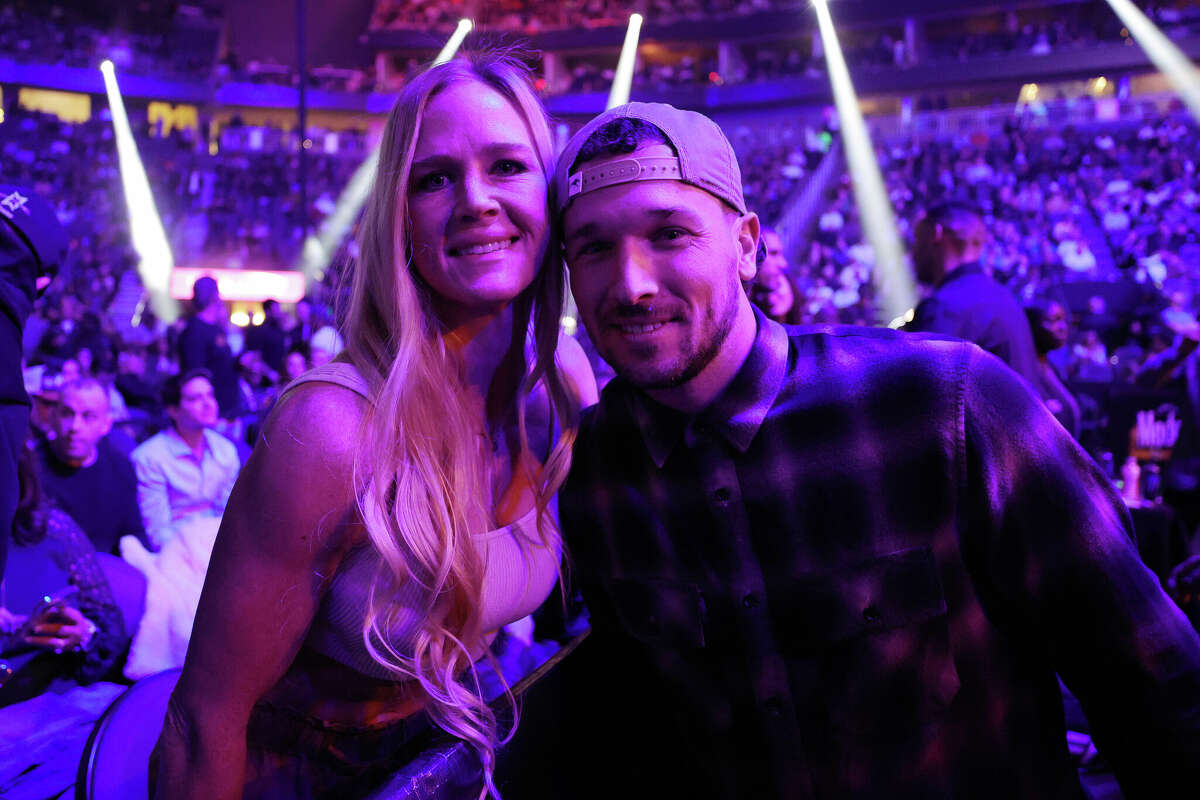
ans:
(738, 411)
(178, 447)
(962, 271)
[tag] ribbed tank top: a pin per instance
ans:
(519, 572)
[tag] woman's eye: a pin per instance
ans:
(507, 166)
(432, 182)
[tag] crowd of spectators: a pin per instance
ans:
(1030, 30)
(183, 48)
(1103, 219)
(229, 198)
(189, 52)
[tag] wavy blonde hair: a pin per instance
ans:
(423, 476)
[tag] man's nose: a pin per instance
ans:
(635, 278)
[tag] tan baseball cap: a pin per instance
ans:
(706, 159)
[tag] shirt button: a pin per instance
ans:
(774, 706)
(750, 600)
(871, 614)
(723, 494)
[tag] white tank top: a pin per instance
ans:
(519, 572)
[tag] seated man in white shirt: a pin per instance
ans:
(188, 469)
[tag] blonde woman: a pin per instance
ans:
(396, 511)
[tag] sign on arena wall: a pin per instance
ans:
(250, 285)
(1155, 433)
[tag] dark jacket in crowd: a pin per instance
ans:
(271, 341)
(969, 305)
(18, 275)
(101, 498)
(203, 345)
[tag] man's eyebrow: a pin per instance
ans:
(493, 149)
(657, 214)
(582, 232)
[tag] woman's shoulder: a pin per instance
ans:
(321, 415)
(336, 373)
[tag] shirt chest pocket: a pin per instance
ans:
(659, 612)
(875, 634)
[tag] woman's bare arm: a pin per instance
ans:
(282, 537)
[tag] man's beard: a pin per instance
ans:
(690, 362)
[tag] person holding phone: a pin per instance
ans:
(59, 622)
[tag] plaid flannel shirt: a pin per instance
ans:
(857, 572)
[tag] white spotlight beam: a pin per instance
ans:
(319, 249)
(155, 261)
(893, 279)
(454, 42)
(1169, 59)
(623, 78)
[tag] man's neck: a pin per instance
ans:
(698, 393)
(954, 262)
(83, 463)
(193, 437)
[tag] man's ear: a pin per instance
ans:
(746, 240)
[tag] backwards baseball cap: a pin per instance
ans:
(37, 226)
(705, 157)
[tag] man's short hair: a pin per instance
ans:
(172, 392)
(962, 221)
(204, 293)
(620, 137)
(80, 384)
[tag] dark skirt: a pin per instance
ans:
(293, 756)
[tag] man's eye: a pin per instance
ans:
(432, 182)
(508, 166)
(590, 249)
(670, 234)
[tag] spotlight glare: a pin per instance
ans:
(1162, 52)
(623, 78)
(455, 41)
(155, 260)
(893, 278)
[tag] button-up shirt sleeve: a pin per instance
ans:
(227, 465)
(153, 496)
(1052, 556)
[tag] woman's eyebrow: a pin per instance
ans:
(493, 149)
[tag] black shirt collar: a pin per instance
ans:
(738, 411)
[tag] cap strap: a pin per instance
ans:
(626, 170)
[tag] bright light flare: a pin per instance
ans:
(319, 249)
(1169, 59)
(155, 261)
(623, 78)
(893, 278)
(454, 42)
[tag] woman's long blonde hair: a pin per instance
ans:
(425, 483)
